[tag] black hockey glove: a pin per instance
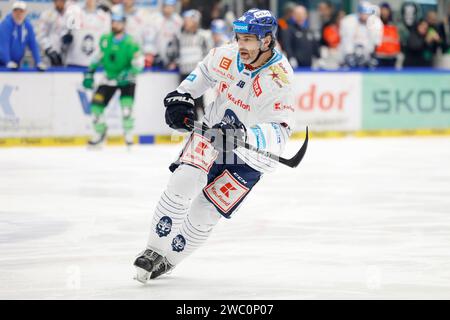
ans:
(55, 57)
(226, 136)
(179, 106)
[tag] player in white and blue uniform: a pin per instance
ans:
(213, 176)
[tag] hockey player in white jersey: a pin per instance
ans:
(53, 32)
(212, 176)
(90, 24)
(139, 27)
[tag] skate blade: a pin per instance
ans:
(95, 147)
(142, 275)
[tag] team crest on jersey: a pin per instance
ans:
(225, 63)
(279, 75)
(257, 86)
(178, 243)
(164, 226)
(225, 192)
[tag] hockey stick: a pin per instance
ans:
(292, 162)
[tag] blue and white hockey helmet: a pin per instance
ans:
(258, 22)
(365, 7)
(170, 2)
(218, 26)
(118, 13)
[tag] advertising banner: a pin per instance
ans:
(55, 104)
(328, 101)
(406, 101)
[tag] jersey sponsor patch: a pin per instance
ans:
(191, 77)
(199, 153)
(257, 87)
(225, 192)
(278, 106)
(225, 63)
(223, 86)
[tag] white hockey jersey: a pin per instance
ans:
(358, 36)
(86, 37)
(261, 99)
(51, 26)
(138, 26)
(163, 34)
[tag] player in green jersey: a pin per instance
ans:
(122, 60)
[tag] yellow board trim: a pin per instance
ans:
(175, 139)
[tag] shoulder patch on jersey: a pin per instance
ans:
(279, 74)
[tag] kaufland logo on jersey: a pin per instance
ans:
(227, 188)
(238, 102)
(201, 147)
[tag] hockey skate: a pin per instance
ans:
(97, 140)
(162, 268)
(145, 264)
(128, 137)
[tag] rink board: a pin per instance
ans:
(52, 109)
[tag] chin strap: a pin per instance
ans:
(271, 46)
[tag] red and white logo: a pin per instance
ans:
(257, 87)
(199, 153)
(223, 86)
(280, 107)
(201, 147)
(225, 191)
(225, 63)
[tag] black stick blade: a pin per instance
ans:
(298, 157)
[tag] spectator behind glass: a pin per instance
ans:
(139, 27)
(90, 23)
(53, 32)
(193, 45)
(360, 33)
(283, 22)
(439, 27)
(298, 40)
(16, 33)
(410, 13)
(329, 35)
(386, 53)
(165, 27)
(219, 30)
(420, 44)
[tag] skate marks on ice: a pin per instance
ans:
(362, 218)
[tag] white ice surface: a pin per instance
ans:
(358, 219)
